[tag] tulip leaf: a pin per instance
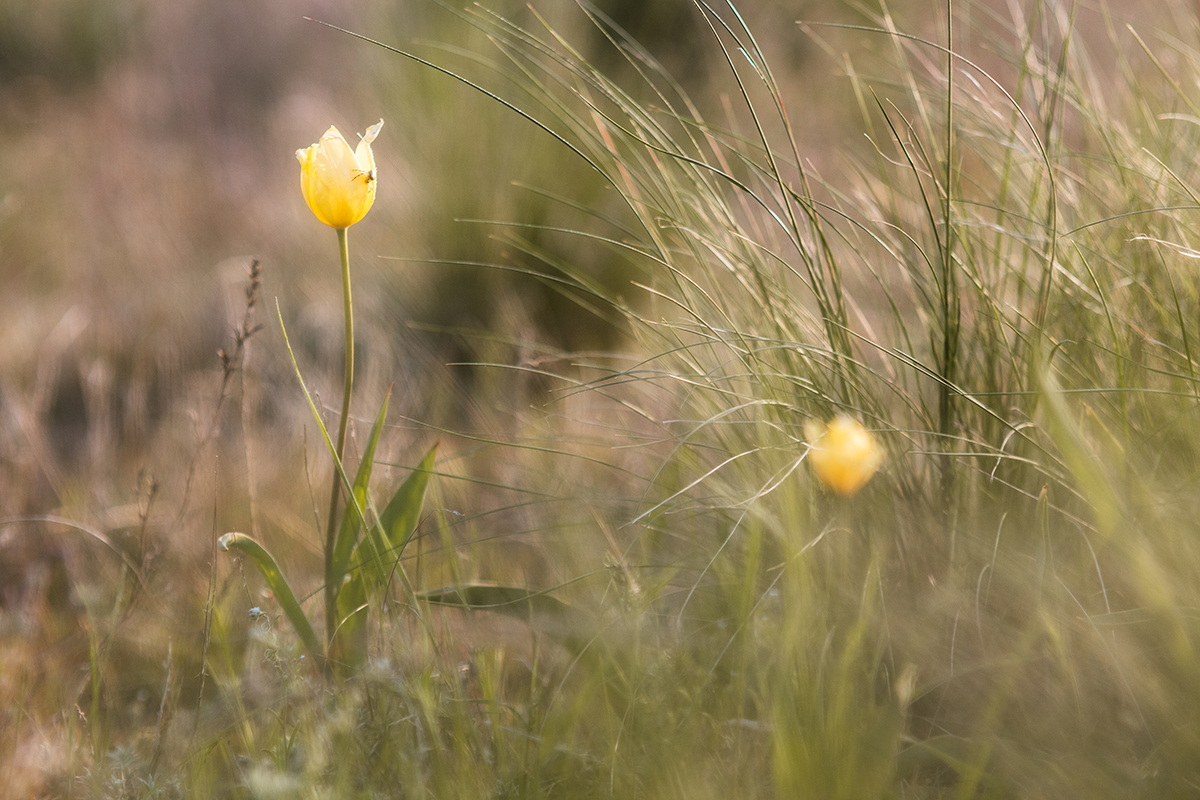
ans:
(348, 651)
(402, 513)
(495, 597)
(388, 538)
(569, 625)
(278, 585)
(352, 521)
(373, 563)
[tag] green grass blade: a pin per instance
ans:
(278, 585)
(312, 406)
(352, 521)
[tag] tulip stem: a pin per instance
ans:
(331, 591)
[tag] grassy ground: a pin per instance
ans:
(997, 280)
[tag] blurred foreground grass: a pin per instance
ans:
(999, 281)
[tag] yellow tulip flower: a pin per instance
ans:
(339, 183)
(843, 453)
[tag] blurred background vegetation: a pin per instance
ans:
(146, 161)
(148, 157)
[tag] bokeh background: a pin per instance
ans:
(147, 160)
(147, 157)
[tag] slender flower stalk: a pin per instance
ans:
(339, 186)
(347, 389)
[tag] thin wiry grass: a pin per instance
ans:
(1047, 331)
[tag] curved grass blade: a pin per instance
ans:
(354, 506)
(312, 406)
(352, 521)
(95, 533)
(279, 586)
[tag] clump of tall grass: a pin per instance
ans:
(999, 289)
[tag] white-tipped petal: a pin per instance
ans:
(339, 183)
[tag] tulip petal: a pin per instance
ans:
(339, 183)
(363, 154)
(843, 453)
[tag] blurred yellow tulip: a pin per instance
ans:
(843, 453)
(339, 183)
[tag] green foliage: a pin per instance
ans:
(356, 565)
(278, 584)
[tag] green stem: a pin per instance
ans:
(331, 591)
(951, 305)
